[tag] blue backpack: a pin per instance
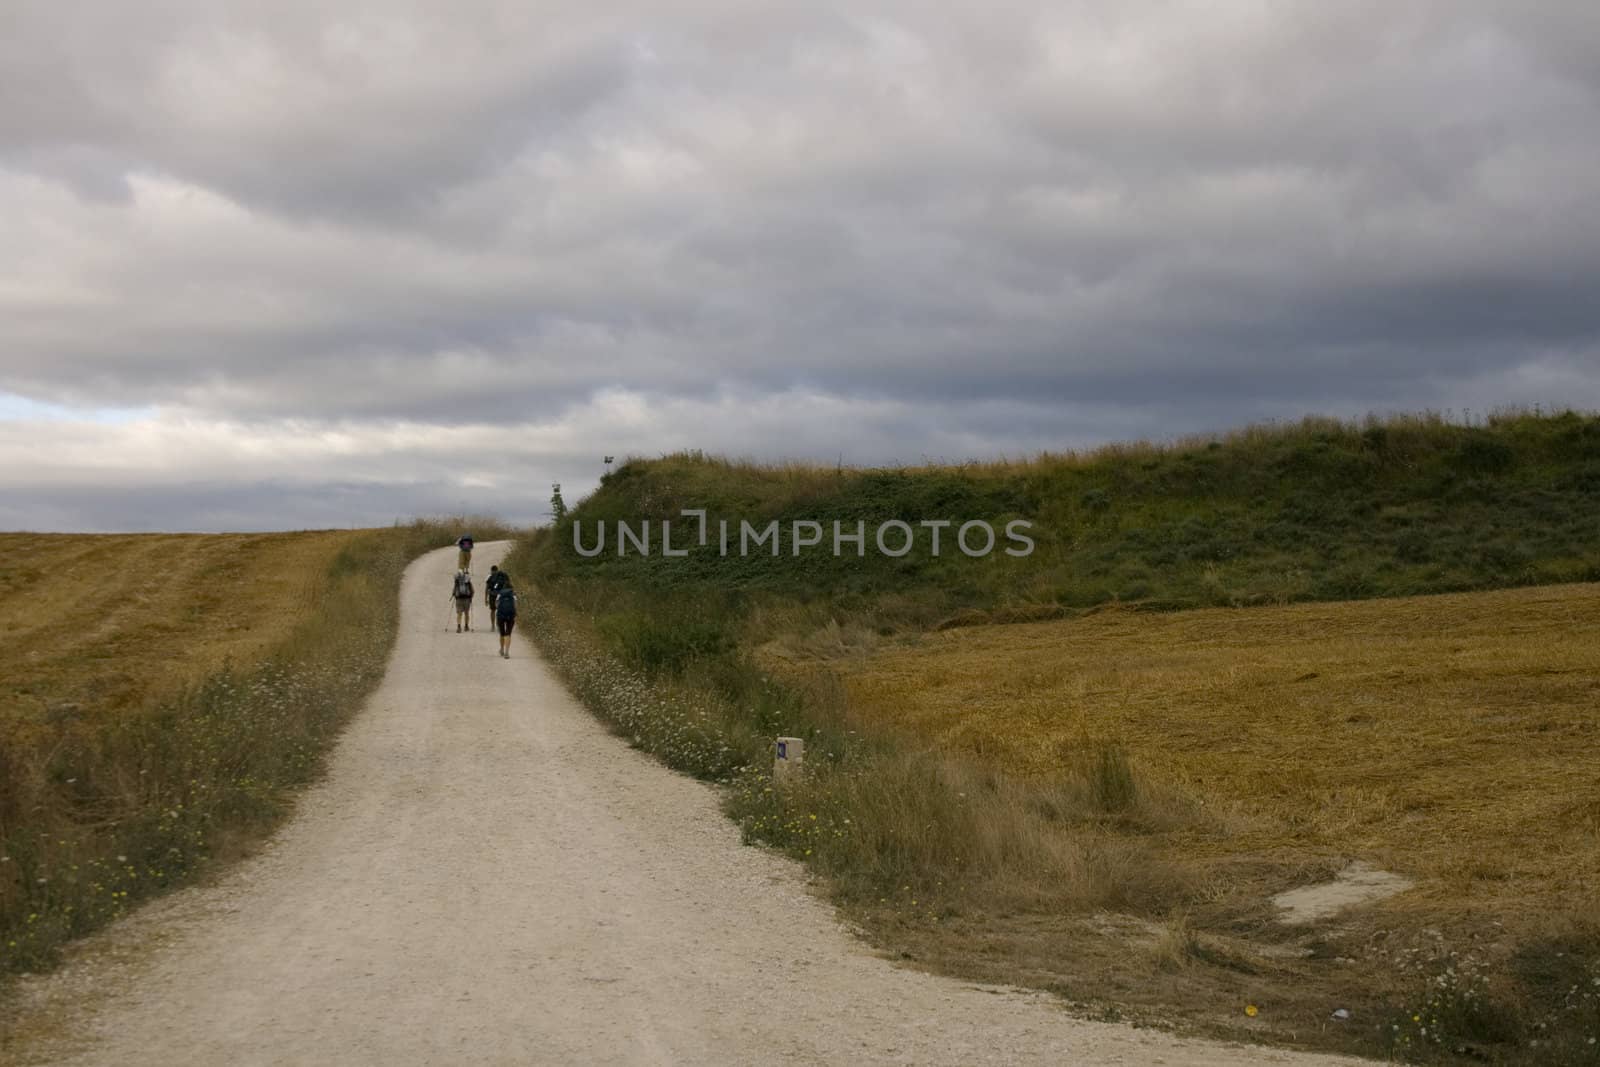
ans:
(505, 604)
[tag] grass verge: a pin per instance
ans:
(103, 804)
(1075, 861)
(1132, 893)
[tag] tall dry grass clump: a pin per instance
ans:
(1111, 781)
(893, 826)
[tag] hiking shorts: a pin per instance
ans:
(463, 559)
(504, 623)
(463, 604)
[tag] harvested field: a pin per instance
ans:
(158, 696)
(96, 623)
(1451, 738)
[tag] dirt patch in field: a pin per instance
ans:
(1359, 883)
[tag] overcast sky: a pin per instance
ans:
(308, 264)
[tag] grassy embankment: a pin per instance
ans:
(1102, 805)
(164, 695)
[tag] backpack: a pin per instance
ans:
(463, 586)
(505, 604)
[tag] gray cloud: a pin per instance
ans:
(1099, 222)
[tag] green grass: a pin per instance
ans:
(1321, 510)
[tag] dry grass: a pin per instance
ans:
(1452, 736)
(166, 695)
(98, 623)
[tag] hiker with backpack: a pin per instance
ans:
(461, 592)
(505, 614)
(464, 553)
(491, 588)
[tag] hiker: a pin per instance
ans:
(505, 614)
(464, 556)
(491, 588)
(461, 592)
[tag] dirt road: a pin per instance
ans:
(486, 876)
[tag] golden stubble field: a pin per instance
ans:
(159, 694)
(1454, 738)
(93, 624)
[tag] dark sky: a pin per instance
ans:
(299, 264)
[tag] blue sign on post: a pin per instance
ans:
(783, 750)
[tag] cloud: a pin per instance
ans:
(353, 241)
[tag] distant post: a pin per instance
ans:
(789, 757)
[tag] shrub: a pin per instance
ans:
(1481, 454)
(1111, 782)
(664, 645)
(1454, 1012)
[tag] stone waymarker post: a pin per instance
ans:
(790, 754)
